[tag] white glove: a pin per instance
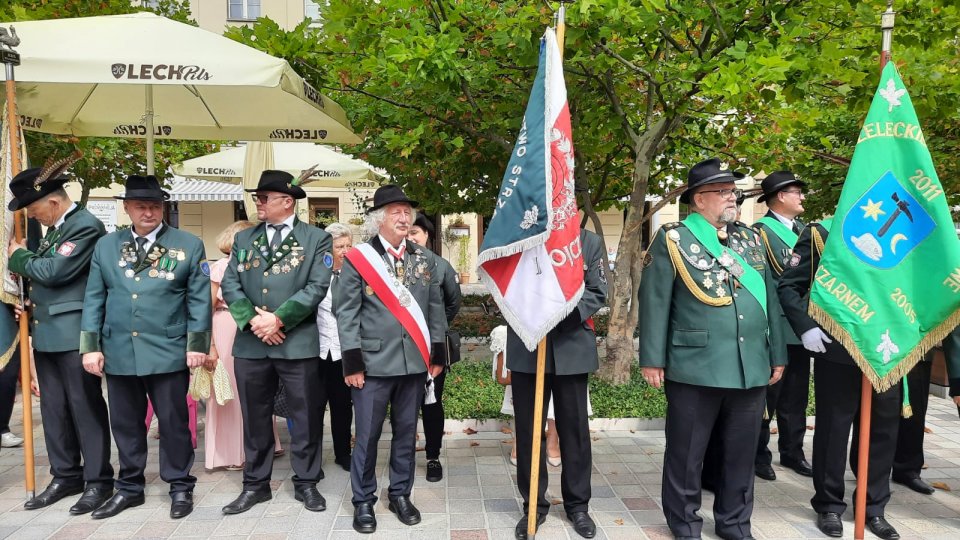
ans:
(815, 340)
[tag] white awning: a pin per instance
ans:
(193, 190)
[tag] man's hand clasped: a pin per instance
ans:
(266, 326)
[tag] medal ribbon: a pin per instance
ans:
(706, 234)
(788, 236)
(374, 271)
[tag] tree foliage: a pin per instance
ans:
(105, 160)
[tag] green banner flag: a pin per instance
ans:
(888, 285)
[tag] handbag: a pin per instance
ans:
(453, 347)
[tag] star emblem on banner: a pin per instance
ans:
(892, 95)
(872, 209)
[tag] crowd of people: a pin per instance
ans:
(299, 315)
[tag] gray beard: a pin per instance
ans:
(728, 216)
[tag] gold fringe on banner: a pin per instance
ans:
(882, 384)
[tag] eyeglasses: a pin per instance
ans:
(793, 191)
(725, 193)
(264, 199)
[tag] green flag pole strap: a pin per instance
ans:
(789, 237)
(706, 233)
(906, 410)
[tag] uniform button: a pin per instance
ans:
(265, 274)
(265, 291)
(136, 278)
(135, 334)
(36, 321)
(735, 295)
(741, 339)
(740, 317)
(134, 297)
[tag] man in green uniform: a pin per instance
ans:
(836, 382)
(571, 356)
(783, 193)
(279, 272)
(75, 423)
(710, 333)
(146, 321)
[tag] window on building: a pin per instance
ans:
(243, 10)
(324, 211)
(152, 4)
(311, 10)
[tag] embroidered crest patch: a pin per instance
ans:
(205, 268)
(328, 259)
(66, 249)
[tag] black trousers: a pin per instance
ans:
(694, 413)
(257, 381)
(908, 457)
(570, 409)
(76, 426)
(433, 417)
(788, 401)
(128, 407)
(837, 387)
(8, 389)
(404, 394)
(341, 408)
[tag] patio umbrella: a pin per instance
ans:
(145, 76)
(258, 158)
(333, 169)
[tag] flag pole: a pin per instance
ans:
(537, 433)
(866, 389)
(10, 59)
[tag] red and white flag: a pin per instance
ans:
(531, 258)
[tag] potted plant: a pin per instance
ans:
(463, 257)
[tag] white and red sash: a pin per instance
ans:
(374, 271)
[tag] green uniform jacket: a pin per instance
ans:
(572, 344)
(794, 288)
(58, 278)
(695, 320)
(289, 283)
(145, 324)
(452, 297)
(371, 338)
(778, 257)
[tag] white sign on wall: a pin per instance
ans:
(106, 211)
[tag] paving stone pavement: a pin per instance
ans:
(477, 499)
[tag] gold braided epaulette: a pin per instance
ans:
(770, 255)
(681, 268)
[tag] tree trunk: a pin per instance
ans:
(626, 275)
(84, 194)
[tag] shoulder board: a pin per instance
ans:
(671, 225)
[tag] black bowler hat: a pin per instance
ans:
(707, 172)
(143, 188)
(31, 185)
(424, 223)
(280, 182)
(777, 181)
(389, 194)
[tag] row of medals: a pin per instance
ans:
(726, 261)
(129, 258)
(244, 262)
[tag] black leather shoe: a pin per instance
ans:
(181, 504)
(343, 462)
(915, 484)
(311, 498)
(520, 533)
(799, 466)
(765, 472)
(54, 492)
(246, 501)
(582, 523)
(118, 503)
(434, 470)
(91, 499)
(364, 521)
(881, 528)
(829, 524)
(406, 512)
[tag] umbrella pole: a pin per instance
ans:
(13, 124)
(148, 122)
